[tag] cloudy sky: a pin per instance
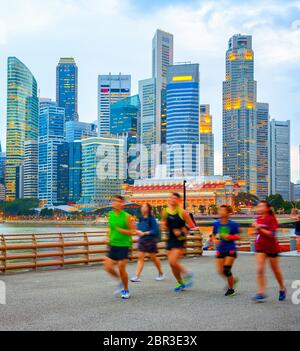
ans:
(115, 36)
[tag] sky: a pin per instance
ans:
(116, 36)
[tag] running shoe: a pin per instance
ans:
(282, 295)
(135, 279)
(179, 287)
(230, 292)
(125, 295)
(119, 289)
(260, 298)
(160, 278)
(189, 280)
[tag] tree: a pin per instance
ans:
(276, 201)
(245, 199)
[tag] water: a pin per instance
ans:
(6, 228)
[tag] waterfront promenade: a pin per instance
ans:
(81, 299)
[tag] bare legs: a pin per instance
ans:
(121, 274)
(221, 264)
(141, 263)
(174, 257)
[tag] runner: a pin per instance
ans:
(267, 248)
(175, 220)
(297, 231)
(148, 230)
(121, 230)
(227, 231)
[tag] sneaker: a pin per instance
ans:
(135, 279)
(230, 292)
(260, 298)
(125, 295)
(189, 280)
(160, 278)
(282, 295)
(119, 289)
(179, 287)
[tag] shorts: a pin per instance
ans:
(297, 233)
(118, 253)
(222, 255)
(178, 244)
(269, 254)
(148, 246)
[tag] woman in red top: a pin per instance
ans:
(267, 248)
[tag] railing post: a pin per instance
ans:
(62, 250)
(87, 248)
(3, 252)
(34, 242)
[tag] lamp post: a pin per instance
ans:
(184, 194)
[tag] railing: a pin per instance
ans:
(57, 250)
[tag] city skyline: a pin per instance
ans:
(275, 54)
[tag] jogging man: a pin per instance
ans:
(121, 230)
(226, 232)
(175, 220)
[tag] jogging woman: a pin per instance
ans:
(227, 232)
(176, 220)
(147, 229)
(267, 248)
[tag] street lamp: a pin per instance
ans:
(184, 194)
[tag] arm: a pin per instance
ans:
(131, 228)
(164, 223)
(188, 219)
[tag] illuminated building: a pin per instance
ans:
(280, 159)
(103, 169)
(183, 120)
(111, 89)
(162, 58)
(262, 150)
(201, 191)
(67, 87)
(2, 166)
(22, 119)
(31, 169)
(206, 142)
(239, 113)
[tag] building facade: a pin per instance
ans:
(103, 169)
(111, 89)
(162, 58)
(67, 87)
(263, 118)
(183, 120)
(22, 119)
(239, 113)
(51, 135)
(280, 159)
(76, 130)
(206, 151)
(75, 171)
(2, 165)
(31, 169)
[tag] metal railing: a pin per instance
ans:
(58, 250)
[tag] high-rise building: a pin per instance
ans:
(75, 171)
(63, 173)
(239, 113)
(67, 87)
(20, 181)
(280, 159)
(76, 130)
(147, 94)
(262, 150)
(51, 135)
(162, 58)
(31, 169)
(2, 166)
(103, 169)
(183, 120)
(22, 119)
(206, 142)
(111, 89)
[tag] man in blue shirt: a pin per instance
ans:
(226, 232)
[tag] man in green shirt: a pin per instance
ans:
(121, 230)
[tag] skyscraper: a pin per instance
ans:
(183, 120)
(111, 89)
(51, 135)
(280, 159)
(63, 173)
(76, 130)
(103, 169)
(31, 169)
(206, 142)
(75, 171)
(162, 58)
(239, 113)
(147, 94)
(2, 166)
(22, 119)
(262, 150)
(67, 87)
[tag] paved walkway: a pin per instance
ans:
(81, 299)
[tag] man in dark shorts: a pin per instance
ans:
(121, 230)
(227, 231)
